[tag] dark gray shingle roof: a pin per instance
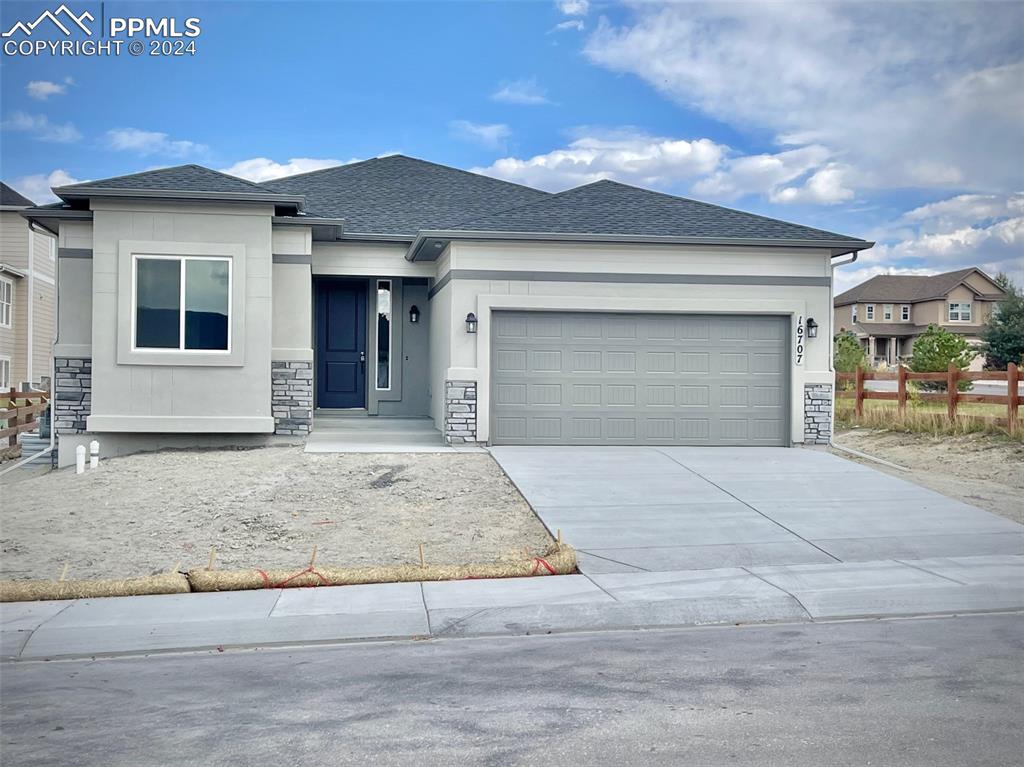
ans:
(13, 198)
(402, 195)
(905, 288)
(181, 178)
(608, 207)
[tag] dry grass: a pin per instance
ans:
(927, 418)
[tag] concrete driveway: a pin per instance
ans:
(686, 508)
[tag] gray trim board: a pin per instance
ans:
(676, 279)
(838, 247)
(74, 252)
(85, 192)
(282, 258)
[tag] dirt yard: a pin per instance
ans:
(980, 469)
(262, 508)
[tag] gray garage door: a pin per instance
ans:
(561, 378)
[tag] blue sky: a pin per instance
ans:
(896, 122)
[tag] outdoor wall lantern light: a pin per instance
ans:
(471, 323)
(812, 328)
(414, 314)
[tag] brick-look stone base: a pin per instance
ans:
(460, 412)
(72, 394)
(292, 397)
(817, 413)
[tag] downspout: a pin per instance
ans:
(831, 366)
(28, 306)
(53, 365)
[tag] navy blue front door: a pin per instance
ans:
(341, 343)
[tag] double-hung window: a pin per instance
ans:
(181, 303)
(959, 313)
(5, 373)
(887, 312)
(870, 311)
(853, 313)
(6, 303)
(905, 312)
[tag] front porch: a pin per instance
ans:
(347, 433)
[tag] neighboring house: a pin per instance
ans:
(198, 308)
(27, 295)
(888, 312)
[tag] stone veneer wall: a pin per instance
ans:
(817, 414)
(459, 412)
(72, 391)
(292, 397)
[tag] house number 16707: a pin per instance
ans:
(799, 356)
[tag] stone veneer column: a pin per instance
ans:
(291, 397)
(817, 413)
(72, 394)
(460, 412)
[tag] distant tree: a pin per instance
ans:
(1004, 332)
(934, 350)
(848, 354)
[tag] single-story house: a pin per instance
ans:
(198, 308)
(888, 312)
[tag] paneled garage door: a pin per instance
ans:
(561, 378)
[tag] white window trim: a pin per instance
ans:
(9, 323)
(958, 309)
(181, 305)
(853, 314)
(869, 312)
(391, 334)
(887, 311)
(905, 313)
(5, 372)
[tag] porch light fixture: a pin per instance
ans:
(471, 323)
(414, 314)
(812, 328)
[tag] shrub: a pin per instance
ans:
(934, 351)
(848, 355)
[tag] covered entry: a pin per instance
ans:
(589, 378)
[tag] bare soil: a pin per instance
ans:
(262, 508)
(984, 470)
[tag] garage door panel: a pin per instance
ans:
(638, 379)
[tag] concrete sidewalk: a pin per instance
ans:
(791, 593)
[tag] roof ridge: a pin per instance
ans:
(550, 196)
(320, 170)
(85, 184)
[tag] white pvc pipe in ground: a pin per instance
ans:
(80, 459)
(94, 454)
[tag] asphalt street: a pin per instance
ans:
(936, 691)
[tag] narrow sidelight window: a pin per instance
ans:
(384, 296)
(182, 303)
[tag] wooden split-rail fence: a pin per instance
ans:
(20, 415)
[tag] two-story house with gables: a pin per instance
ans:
(888, 312)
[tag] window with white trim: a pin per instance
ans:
(5, 373)
(384, 301)
(870, 311)
(959, 313)
(181, 303)
(6, 303)
(905, 312)
(853, 314)
(887, 311)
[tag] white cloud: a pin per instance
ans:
(967, 230)
(40, 127)
(911, 94)
(628, 156)
(37, 187)
(573, 7)
(526, 92)
(576, 24)
(43, 89)
(763, 174)
(145, 143)
(264, 169)
(492, 136)
(826, 186)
